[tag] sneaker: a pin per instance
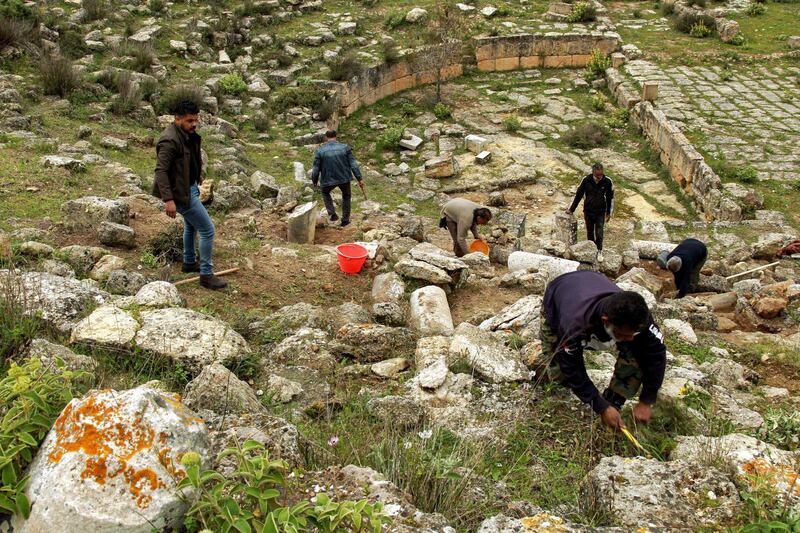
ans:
(345, 223)
(333, 218)
(210, 281)
(190, 267)
(600, 256)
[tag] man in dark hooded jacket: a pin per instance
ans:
(585, 308)
(685, 262)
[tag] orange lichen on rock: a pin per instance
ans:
(96, 428)
(762, 468)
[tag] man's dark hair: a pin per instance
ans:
(483, 213)
(626, 309)
(186, 107)
(597, 166)
(330, 134)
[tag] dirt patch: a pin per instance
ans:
(472, 301)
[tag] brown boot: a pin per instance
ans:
(210, 281)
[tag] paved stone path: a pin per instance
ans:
(748, 115)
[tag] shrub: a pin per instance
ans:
(408, 109)
(394, 19)
(442, 111)
(619, 119)
(173, 96)
(734, 172)
(326, 108)
(58, 76)
(587, 135)
(781, 429)
(232, 84)
(71, 43)
(667, 9)
(250, 498)
(94, 9)
(302, 96)
(390, 52)
(698, 3)
(582, 12)
(157, 6)
(699, 30)
(512, 123)
(32, 397)
(536, 108)
(260, 122)
(16, 32)
(599, 102)
(685, 21)
(16, 9)
(128, 94)
(143, 56)
(391, 137)
(756, 9)
(16, 328)
(597, 65)
(345, 68)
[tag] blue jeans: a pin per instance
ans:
(196, 220)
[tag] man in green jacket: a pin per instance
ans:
(177, 182)
(459, 216)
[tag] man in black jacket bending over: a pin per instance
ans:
(598, 205)
(584, 307)
(685, 263)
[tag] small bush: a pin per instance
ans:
(345, 68)
(326, 109)
(756, 9)
(94, 9)
(144, 55)
(128, 95)
(232, 84)
(512, 123)
(599, 102)
(636, 14)
(408, 109)
(16, 9)
(667, 9)
(686, 21)
(587, 135)
(71, 44)
(597, 65)
(582, 12)
(696, 3)
(302, 96)
(618, 119)
(260, 122)
(442, 111)
(173, 96)
(726, 74)
(734, 172)
(699, 30)
(536, 108)
(390, 52)
(391, 137)
(16, 32)
(32, 397)
(781, 429)
(394, 19)
(157, 7)
(58, 76)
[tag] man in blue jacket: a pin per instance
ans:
(334, 166)
(585, 307)
(685, 262)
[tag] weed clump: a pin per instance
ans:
(756, 9)
(390, 53)
(16, 32)
(391, 137)
(232, 84)
(170, 99)
(94, 9)
(442, 111)
(345, 68)
(394, 19)
(686, 21)
(587, 135)
(597, 65)
(59, 78)
(128, 94)
(582, 12)
(512, 123)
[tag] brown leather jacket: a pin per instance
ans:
(173, 162)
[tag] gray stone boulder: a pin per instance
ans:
(111, 463)
(370, 343)
(550, 266)
(537, 521)
(125, 282)
(35, 249)
(88, 212)
(432, 254)
(60, 302)
(113, 234)
(307, 347)
(642, 277)
(445, 166)
(430, 312)
(57, 268)
(106, 326)
(105, 266)
(583, 252)
(651, 249)
(389, 314)
(81, 258)
(679, 329)
(396, 411)
(388, 288)
(49, 353)
(282, 389)
(346, 313)
(648, 296)
(646, 492)
(218, 389)
(487, 355)
(730, 374)
(416, 15)
(159, 294)
(190, 338)
(523, 317)
(420, 270)
(264, 185)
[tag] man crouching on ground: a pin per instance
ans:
(585, 307)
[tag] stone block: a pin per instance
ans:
(507, 63)
(529, 62)
(487, 65)
(442, 167)
(301, 224)
(483, 157)
(412, 143)
(617, 59)
(649, 91)
(475, 143)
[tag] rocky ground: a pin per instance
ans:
(409, 391)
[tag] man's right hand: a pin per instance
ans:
(568, 211)
(169, 207)
(612, 418)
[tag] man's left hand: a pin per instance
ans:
(642, 412)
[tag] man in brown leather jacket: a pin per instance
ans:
(177, 182)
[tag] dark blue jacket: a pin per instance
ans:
(599, 196)
(573, 304)
(693, 254)
(334, 161)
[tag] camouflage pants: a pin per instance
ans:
(625, 382)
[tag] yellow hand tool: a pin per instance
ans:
(631, 438)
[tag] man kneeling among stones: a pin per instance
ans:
(685, 262)
(459, 216)
(585, 309)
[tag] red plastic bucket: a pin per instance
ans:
(351, 257)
